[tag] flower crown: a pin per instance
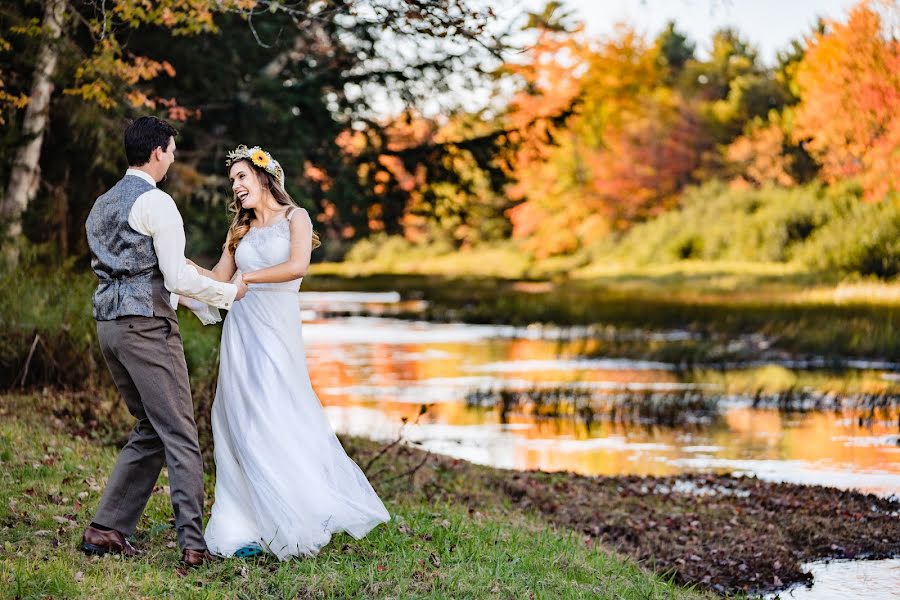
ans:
(258, 157)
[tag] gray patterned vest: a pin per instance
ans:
(124, 260)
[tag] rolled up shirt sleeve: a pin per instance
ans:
(156, 215)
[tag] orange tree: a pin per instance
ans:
(849, 82)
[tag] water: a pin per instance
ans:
(372, 373)
(845, 579)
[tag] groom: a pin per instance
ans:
(136, 237)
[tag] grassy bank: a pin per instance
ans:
(47, 335)
(819, 233)
(814, 269)
(792, 315)
(433, 548)
(459, 530)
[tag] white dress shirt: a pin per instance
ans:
(154, 214)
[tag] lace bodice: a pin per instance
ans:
(263, 247)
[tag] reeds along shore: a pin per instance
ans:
(675, 408)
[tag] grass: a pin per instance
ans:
(688, 280)
(785, 308)
(827, 231)
(432, 548)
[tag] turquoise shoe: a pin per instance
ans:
(249, 551)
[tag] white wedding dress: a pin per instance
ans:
(283, 479)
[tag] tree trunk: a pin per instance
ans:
(25, 175)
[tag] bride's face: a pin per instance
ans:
(245, 185)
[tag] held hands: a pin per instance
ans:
(238, 280)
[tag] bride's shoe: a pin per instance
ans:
(249, 551)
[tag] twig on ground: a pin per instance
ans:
(412, 471)
(24, 375)
(385, 449)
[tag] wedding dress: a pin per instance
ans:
(283, 479)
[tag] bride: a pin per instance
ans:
(283, 481)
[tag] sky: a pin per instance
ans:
(769, 24)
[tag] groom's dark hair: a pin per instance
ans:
(143, 135)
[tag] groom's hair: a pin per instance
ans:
(143, 135)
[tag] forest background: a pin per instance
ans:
(592, 153)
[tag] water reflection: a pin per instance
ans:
(371, 373)
(840, 580)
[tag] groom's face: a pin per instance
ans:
(167, 156)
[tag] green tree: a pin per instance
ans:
(294, 77)
(674, 50)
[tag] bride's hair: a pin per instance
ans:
(240, 223)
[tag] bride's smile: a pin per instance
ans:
(245, 186)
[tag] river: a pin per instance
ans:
(374, 373)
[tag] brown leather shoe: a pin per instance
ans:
(99, 542)
(197, 558)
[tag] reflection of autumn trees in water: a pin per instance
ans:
(376, 375)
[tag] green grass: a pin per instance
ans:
(431, 549)
(856, 321)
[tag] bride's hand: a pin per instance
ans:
(242, 288)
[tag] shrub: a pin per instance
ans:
(49, 309)
(825, 228)
(864, 239)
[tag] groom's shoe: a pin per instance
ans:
(197, 558)
(100, 542)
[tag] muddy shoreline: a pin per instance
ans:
(722, 533)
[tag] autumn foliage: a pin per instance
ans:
(624, 155)
(849, 82)
(652, 118)
(585, 138)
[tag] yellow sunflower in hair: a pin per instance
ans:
(260, 158)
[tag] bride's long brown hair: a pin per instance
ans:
(240, 223)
